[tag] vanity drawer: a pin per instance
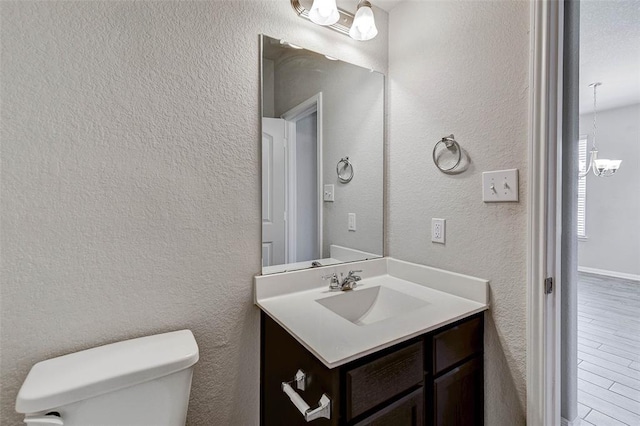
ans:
(383, 378)
(407, 411)
(457, 343)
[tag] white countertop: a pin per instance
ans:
(291, 300)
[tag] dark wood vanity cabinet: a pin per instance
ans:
(435, 379)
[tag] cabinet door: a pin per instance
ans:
(407, 411)
(458, 396)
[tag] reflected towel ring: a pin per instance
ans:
(345, 173)
(451, 145)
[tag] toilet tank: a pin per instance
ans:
(138, 382)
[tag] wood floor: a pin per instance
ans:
(608, 351)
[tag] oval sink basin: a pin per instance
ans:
(369, 305)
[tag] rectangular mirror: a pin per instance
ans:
(322, 159)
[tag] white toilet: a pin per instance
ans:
(138, 382)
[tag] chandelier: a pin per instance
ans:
(601, 167)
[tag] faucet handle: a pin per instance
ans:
(334, 283)
(353, 276)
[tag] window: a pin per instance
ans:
(582, 187)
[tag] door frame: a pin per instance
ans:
(291, 117)
(544, 224)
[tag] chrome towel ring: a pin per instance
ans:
(345, 172)
(451, 146)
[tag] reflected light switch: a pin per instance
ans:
(352, 221)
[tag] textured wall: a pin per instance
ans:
(353, 107)
(613, 203)
(462, 67)
(131, 184)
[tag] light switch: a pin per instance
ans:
(328, 193)
(500, 186)
(352, 221)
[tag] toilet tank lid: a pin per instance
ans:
(82, 375)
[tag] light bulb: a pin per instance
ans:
(324, 12)
(364, 23)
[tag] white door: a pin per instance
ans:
(273, 191)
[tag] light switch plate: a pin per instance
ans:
(500, 186)
(328, 193)
(352, 221)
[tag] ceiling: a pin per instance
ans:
(609, 53)
(350, 5)
(609, 50)
(385, 4)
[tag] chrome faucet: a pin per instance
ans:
(348, 283)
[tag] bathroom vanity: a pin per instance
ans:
(405, 347)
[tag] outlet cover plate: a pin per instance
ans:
(500, 186)
(438, 230)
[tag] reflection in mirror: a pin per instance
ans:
(322, 121)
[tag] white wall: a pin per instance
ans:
(353, 107)
(267, 88)
(613, 203)
(462, 67)
(130, 182)
(307, 188)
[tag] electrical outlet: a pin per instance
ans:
(437, 230)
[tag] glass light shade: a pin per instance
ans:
(601, 165)
(324, 12)
(614, 164)
(364, 24)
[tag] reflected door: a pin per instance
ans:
(273, 191)
(306, 197)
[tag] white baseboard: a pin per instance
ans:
(574, 422)
(606, 273)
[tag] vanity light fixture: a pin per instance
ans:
(601, 167)
(364, 24)
(361, 27)
(324, 12)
